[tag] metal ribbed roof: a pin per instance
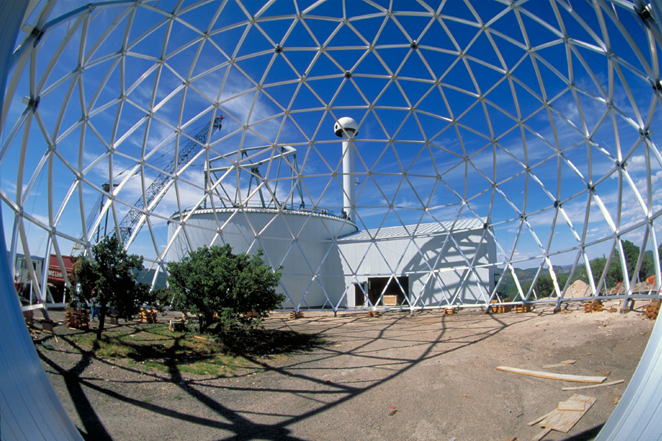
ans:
(309, 213)
(416, 230)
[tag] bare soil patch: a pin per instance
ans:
(426, 376)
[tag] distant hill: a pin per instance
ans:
(525, 276)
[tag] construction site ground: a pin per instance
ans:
(399, 376)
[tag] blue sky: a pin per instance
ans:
(468, 124)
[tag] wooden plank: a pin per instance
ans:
(564, 420)
(593, 385)
(560, 364)
(542, 434)
(539, 419)
(553, 375)
(571, 405)
(555, 365)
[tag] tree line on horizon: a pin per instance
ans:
(544, 286)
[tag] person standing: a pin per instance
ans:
(94, 306)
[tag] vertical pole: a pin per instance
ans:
(348, 175)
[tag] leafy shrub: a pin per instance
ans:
(109, 275)
(213, 282)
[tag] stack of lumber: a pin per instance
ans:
(296, 315)
(565, 416)
(525, 307)
(450, 310)
(652, 309)
(497, 307)
(177, 325)
(47, 325)
(29, 317)
(593, 306)
(373, 313)
(76, 318)
(147, 315)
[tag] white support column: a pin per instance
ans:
(346, 128)
(30, 408)
(348, 176)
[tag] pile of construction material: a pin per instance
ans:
(637, 288)
(47, 325)
(76, 318)
(525, 307)
(148, 315)
(177, 325)
(29, 318)
(497, 307)
(652, 309)
(578, 289)
(390, 300)
(593, 306)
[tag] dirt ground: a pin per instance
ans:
(426, 376)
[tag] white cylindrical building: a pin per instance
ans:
(300, 242)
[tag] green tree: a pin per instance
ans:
(631, 252)
(213, 281)
(109, 275)
(647, 266)
(615, 272)
(545, 286)
(598, 267)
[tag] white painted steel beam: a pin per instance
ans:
(29, 408)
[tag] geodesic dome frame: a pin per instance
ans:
(536, 118)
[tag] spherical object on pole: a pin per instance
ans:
(346, 127)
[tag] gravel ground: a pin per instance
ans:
(426, 376)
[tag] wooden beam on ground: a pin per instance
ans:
(593, 385)
(552, 375)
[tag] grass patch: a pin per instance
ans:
(154, 347)
(114, 350)
(157, 366)
(199, 369)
